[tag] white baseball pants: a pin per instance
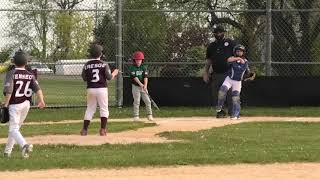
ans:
(235, 85)
(97, 96)
(17, 114)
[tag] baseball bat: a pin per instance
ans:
(154, 104)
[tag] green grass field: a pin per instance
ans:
(126, 112)
(254, 142)
(72, 128)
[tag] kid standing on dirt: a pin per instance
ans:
(18, 87)
(139, 80)
(238, 67)
(96, 73)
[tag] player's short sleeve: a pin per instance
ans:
(247, 68)
(83, 73)
(108, 72)
(145, 72)
(132, 72)
(9, 82)
(34, 85)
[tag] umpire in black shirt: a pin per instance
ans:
(217, 66)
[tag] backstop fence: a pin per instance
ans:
(281, 37)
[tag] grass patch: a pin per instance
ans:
(73, 128)
(254, 142)
(126, 112)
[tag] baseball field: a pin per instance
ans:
(182, 142)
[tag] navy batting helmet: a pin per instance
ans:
(239, 47)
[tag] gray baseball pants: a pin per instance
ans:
(138, 93)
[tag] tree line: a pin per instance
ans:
(167, 36)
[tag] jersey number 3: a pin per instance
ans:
(95, 77)
(23, 92)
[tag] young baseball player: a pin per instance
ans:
(238, 67)
(139, 76)
(18, 86)
(96, 73)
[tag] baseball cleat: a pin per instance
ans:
(221, 114)
(150, 117)
(83, 132)
(103, 132)
(235, 118)
(26, 150)
(136, 119)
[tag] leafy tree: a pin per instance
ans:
(29, 28)
(73, 30)
(73, 34)
(145, 31)
(246, 27)
(67, 4)
(4, 54)
(105, 34)
(295, 35)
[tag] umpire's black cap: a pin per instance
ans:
(219, 29)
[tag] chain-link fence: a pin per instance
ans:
(282, 38)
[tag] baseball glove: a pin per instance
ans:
(4, 114)
(249, 77)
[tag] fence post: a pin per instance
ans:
(268, 39)
(119, 82)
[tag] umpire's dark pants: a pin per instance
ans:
(216, 82)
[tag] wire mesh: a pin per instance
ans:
(173, 35)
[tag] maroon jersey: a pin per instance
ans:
(20, 83)
(96, 73)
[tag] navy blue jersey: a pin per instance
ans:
(96, 73)
(20, 83)
(237, 70)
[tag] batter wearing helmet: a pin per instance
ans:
(238, 67)
(18, 87)
(96, 73)
(139, 79)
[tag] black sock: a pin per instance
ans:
(86, 124)
(104, 121)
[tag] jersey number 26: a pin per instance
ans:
(23, 92)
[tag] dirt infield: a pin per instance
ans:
(148, 135)
(292, 171)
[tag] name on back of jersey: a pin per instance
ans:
(91, 66)
(23, 76)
